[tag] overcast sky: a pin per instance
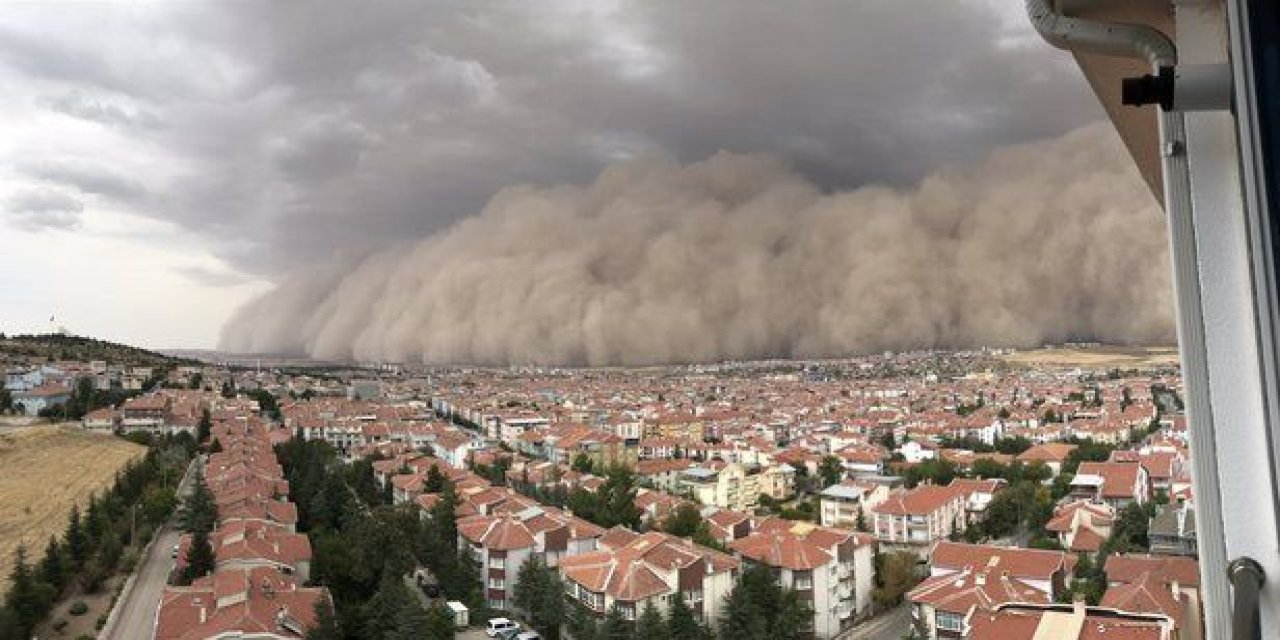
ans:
(161, 163)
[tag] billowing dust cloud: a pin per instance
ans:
(738, 257)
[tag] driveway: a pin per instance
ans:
(890, 625)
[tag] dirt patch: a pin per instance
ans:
(1097, 357)
(44, 470)
(61, 624)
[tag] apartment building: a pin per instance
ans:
(831, 569)
(965, 577)
(502, 542)
(841, 504)
(915, 519)
(632, 571)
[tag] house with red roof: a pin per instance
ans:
(831, 569)
(631, 571)
(258, 602)
(1161, 585)
(965, 578)
(914, 519)
(1074, 621)
(501, 542)
(1052, 454)
(1118, 484)
(1082, 525)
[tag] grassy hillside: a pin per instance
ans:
(50, 347)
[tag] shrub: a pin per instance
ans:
(102, 622)
(78, 608)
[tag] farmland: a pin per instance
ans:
(44, 470)
(1100, 357)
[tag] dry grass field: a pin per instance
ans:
(1097, 357)
(43, 471)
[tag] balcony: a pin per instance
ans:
(844, 571)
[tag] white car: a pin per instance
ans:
(498, 625)
(529, 635)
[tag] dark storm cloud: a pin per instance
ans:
(79, 105)
(89, 178)
(291, 132)
(40, 209)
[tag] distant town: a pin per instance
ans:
(971, 494)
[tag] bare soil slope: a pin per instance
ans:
(43, 471)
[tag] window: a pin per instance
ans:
(497, 563)
(497, 583)
(949, 621)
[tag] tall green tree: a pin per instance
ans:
(77, 542)
(539, 593)
(681, 623)
(616, 627)
(29, 599)
(382, 613)
(52, 567)
(831, 471)
(200, 557)
(581, 624)
(326, 623)
(204, 427)
(651, 626)
(435, 480)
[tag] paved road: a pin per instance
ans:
(891, 625)
(137, 613)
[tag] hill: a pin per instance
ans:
(52, 347)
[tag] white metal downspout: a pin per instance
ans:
(1138, 41)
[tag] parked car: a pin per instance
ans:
(528, 635)
(499, 625)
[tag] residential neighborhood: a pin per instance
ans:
(968, 505)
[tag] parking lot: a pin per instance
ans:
(475, 634)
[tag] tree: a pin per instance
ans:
(326, 624)
(77, 544)
(410, 623)
(651, 626)
(1130, 530)
(200, 511)
(1008, 510)
(582, 463)
(382, 613)
(439, 623)
(200, 558)
(681, 624)
(895, 576)
(205, 426)
(683, 521)
(581, 625)
(29, 599)
(616, 626)
(538, 592)
(435, 481)
(831, 471)
(758, 609)
(52, 569)
(861, 523)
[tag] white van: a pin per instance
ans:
(498, 625)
